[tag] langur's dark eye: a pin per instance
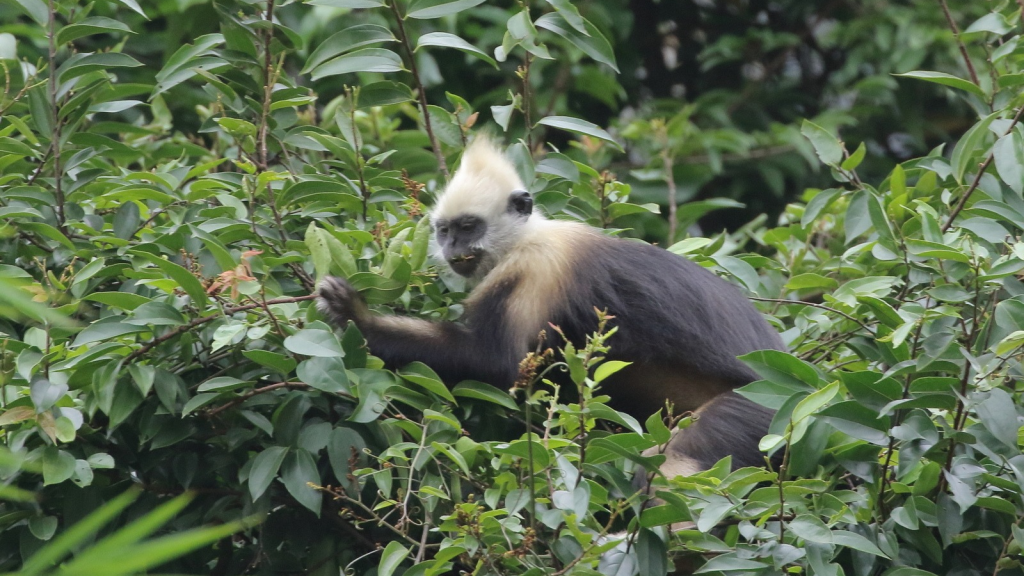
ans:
(442, 230)
(468, 226)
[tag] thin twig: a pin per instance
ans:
(55, 136)
(17, 97)
(200, 321)
(34, 241)
(269, 79)
(960, 43)
(524, 73)
(1009, 537)
(257, 391)
(670, 181)
(977, 177)
(815, 305)
(441, 164)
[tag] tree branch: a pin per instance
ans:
(977, 177)
(441, 164)
(821, 306)
(257, 391)
(960, 43)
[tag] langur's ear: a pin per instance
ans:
(520, 202)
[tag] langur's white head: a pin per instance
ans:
(482, 212)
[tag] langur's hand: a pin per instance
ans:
(340, 302)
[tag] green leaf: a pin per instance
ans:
(198, 401)
(811, 529)
(90, 26)
(426, 9)
(729, 562)
(36, 9)
(571, 14)
(945, 80)
(134, 6)
(827, 146)
(592, 42)
(970, 146)
(782, 367)
(344, 447)
(853, 540)
(348, 3)
(657, 429)
(58, 466)
(502, 115)
(98, 331)
(277, 362)
(714, 511)
(298, 473)
(393, 555)
(222, 384)
(189, 283)
(326, 374)
(384, 93)
(365, 60)
(608, 368)
(12, 146)
(579, 127)
(821, 201)
(811, 281)
(814, 402)
(452, 455)
(264, 469)
(1008, 153)
(347, 40)
(482, 391)
(420, 374)
(314, 342)
(318, 250)
(998, 415)
(81, 64)
(445, 40)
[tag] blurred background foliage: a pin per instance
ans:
(739, 76)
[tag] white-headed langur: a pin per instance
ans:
(681, 326)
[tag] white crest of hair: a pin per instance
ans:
(481, 186)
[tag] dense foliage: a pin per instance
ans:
(175, 178)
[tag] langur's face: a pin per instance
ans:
(462, 239)
(472, 245)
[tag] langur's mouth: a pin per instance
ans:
(463, 265)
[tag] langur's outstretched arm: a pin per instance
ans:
(456, 352)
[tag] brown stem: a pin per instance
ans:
(269, 79)
(35, 241)
(255, 392)
(670, 181)
(959, 42)
(17, 97)
(782, 492)
(55, 137)
(977, 177)
(526, 101)
(816, 305)
(200, 321)
(400, 22)
(897, 420)
(268, 84)
(1009, 537)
